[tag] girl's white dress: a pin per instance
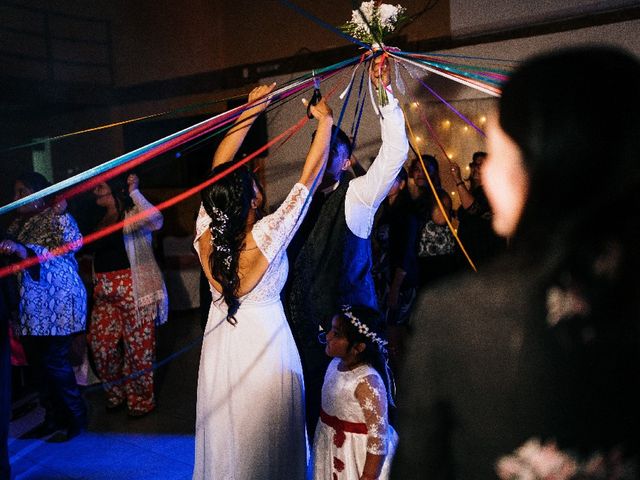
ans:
(353, 422)
(250, 422)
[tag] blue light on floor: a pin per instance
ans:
(102, 456)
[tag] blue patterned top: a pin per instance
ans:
(55, 301)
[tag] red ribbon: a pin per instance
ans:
(341, 426)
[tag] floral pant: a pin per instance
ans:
(122, 343)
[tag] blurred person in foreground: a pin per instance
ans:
(541, 348)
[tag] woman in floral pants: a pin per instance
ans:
(129, 298)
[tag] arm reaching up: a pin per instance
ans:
(233, 139)
(318, 154)
(365, 193)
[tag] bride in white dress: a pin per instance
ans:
(250, 407)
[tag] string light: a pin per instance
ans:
(483, 119)
(465, 129)
(418, 139)
(415, 104)
(446, 124)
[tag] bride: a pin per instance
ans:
(250, 405)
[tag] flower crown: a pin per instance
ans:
(362, 328)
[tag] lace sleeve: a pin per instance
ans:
(275, 231)
(372, 397)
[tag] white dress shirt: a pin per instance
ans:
(366, 193)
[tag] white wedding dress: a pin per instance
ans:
(250, 422)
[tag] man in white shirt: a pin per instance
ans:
(330, 257)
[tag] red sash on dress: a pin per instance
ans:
(341, 426)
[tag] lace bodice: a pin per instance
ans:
(272, 234)
(358, 396)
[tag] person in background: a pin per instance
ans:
(418, 186)
(130, 298)
(474, 213)
(438, 253)
(541, 348)
(53, 304)
(395, 265)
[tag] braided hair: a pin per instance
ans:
(228, 202)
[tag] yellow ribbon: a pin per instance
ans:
(435, 194)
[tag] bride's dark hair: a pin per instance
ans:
(227, 202)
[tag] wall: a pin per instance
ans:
(481, 16)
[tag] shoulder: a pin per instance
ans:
(65, 219)
(367, 374)
(474, 304)
(369, 381)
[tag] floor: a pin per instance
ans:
(117, 447)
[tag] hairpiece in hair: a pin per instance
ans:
(374, 338)
(220, 222)
(362, 328)
(217, 227)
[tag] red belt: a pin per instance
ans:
(341, 426)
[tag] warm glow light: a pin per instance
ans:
(465, 129)
(418, 139)
(453, 194)
(446, 124)
(483, 119)
(468, 167)
(415, 104)
(450, 155)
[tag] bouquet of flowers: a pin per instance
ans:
(371, 23)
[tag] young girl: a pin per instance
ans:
(353, 439)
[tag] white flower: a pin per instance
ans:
(388, 14)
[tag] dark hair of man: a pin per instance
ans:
(340, 144)
(339, 151)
